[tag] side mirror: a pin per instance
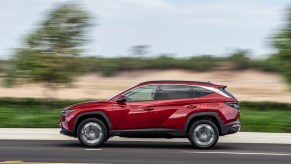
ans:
(121, 99)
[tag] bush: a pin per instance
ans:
(265, 105)
(110, 66)
(237, 61)
(36, 102)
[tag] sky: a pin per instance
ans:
(179, 27)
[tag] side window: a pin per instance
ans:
(170, 92)
(199, 91)
(143, 93)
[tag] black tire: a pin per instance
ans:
(98, 126)
(206, 134)
(107, 138)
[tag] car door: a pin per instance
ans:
(138, 112)
(175, 102)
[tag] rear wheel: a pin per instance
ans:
(203, 134)
(92, 132)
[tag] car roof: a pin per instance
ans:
(201, 83)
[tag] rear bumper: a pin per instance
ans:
(230, 128)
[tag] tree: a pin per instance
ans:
(140, 50)
(240, 59)
(51, 54)
(282, 41)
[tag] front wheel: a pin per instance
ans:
(203, 134)
(92, 132)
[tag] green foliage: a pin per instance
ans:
(271, 64)
(265, 105)
(62, 32)
(199, 63)
(139, 50)
(239, 60)
(110, 66)
(36, 103)
(1, 66)
(282, 41)
(4, 64)
(50, 54)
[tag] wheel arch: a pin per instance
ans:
(96, 114)
(212, 116)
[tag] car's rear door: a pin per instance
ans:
(175, 102)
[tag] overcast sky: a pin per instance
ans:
(180, 27)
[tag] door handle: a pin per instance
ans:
(190, 106)
(148, 109)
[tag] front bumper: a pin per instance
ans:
(230, 128)
(66, 132)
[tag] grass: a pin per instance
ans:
(266, 121)
(38, 113)
(18, 117)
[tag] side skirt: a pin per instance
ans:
(149, 133)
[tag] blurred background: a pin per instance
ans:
(57, 52)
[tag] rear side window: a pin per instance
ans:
(199, 91)
(227, 93)
(170, 92)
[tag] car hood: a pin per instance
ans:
(88, 104)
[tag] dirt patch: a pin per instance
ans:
(246, 85)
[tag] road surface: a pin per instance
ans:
(139, 152)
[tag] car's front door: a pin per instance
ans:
(138, 112)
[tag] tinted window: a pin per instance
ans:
(227, 93)
(199, 91)
(143, 93)
(170, 92)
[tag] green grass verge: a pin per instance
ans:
(266, 121)
(21, 117)
(39, 113)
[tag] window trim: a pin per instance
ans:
(156, 97)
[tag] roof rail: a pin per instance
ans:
(178, 81)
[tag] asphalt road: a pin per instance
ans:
(138, 152)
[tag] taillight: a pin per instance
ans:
(233, 105)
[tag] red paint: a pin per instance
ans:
(171, 114)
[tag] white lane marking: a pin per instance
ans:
(235, 153)
(21, 162)
(93, 149)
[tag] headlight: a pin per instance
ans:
(66, 111)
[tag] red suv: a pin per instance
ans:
(200, 111)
